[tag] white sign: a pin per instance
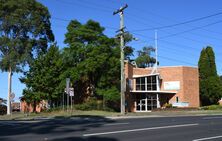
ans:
(181, 104)
(71, 91)
(12, 96)
(171, 85)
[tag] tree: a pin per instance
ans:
(43, 78)
(3, 101)
(25, 31)
(144, 58)
(91, 60)
(128, 50)
(210, 84)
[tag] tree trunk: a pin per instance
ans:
(34, 106)
(9, 91)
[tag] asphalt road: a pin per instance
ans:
(93, 128)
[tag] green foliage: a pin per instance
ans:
(3, 109)
(25, 31)
(43, 77)
(91, 59)
(212, 107)
(168, 105)
(144, 58)
(128, 50)
(91, 104)
(3, 101)
(111, 94)
(210, 83)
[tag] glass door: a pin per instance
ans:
(146, 102)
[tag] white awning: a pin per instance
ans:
(159, 92)
(138, 76)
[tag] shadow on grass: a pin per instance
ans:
(71, 128)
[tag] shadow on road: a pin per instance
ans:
(70, 128)
(86, 139)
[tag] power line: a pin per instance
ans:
(181, 23)
(160, 39)
(86, 6)
(67, 20)
(153, 28)
(196, 28)
(155, 14)
(98, 7)
(173, 43)
(168, 19)
(176, 60)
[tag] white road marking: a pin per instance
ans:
(113, 124)
(209, 138)
(141, 129)
(212, 117)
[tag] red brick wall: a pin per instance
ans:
(172, 74)
(25, 107)
(187, 76)
(191, 86)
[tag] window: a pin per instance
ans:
(147, 83)
(151, 83)
(140, 84)
(177, 99)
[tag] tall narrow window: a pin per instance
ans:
(151, 83)
(177, 99)
(137, 83)
(142, 83)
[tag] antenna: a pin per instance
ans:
(156, 51)
(155, 67)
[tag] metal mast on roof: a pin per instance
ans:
(155, 67)
(156, 51)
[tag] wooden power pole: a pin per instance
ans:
(120, 11)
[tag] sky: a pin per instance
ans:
(178, 44)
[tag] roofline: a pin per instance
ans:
(196, 67)
(178, 66)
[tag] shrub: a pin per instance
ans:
(168, 105)
(212, 107)
(92, 104)
(3, 109)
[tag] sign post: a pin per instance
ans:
(71, 93)
(67, 91)
(12, 96)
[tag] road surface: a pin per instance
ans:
(96, 128)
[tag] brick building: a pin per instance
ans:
(28, 107)
(147, 90)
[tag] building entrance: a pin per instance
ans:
(146, 102)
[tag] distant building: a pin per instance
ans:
(28, 107)
(16, 106)
(220, 102)
(147, 89)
